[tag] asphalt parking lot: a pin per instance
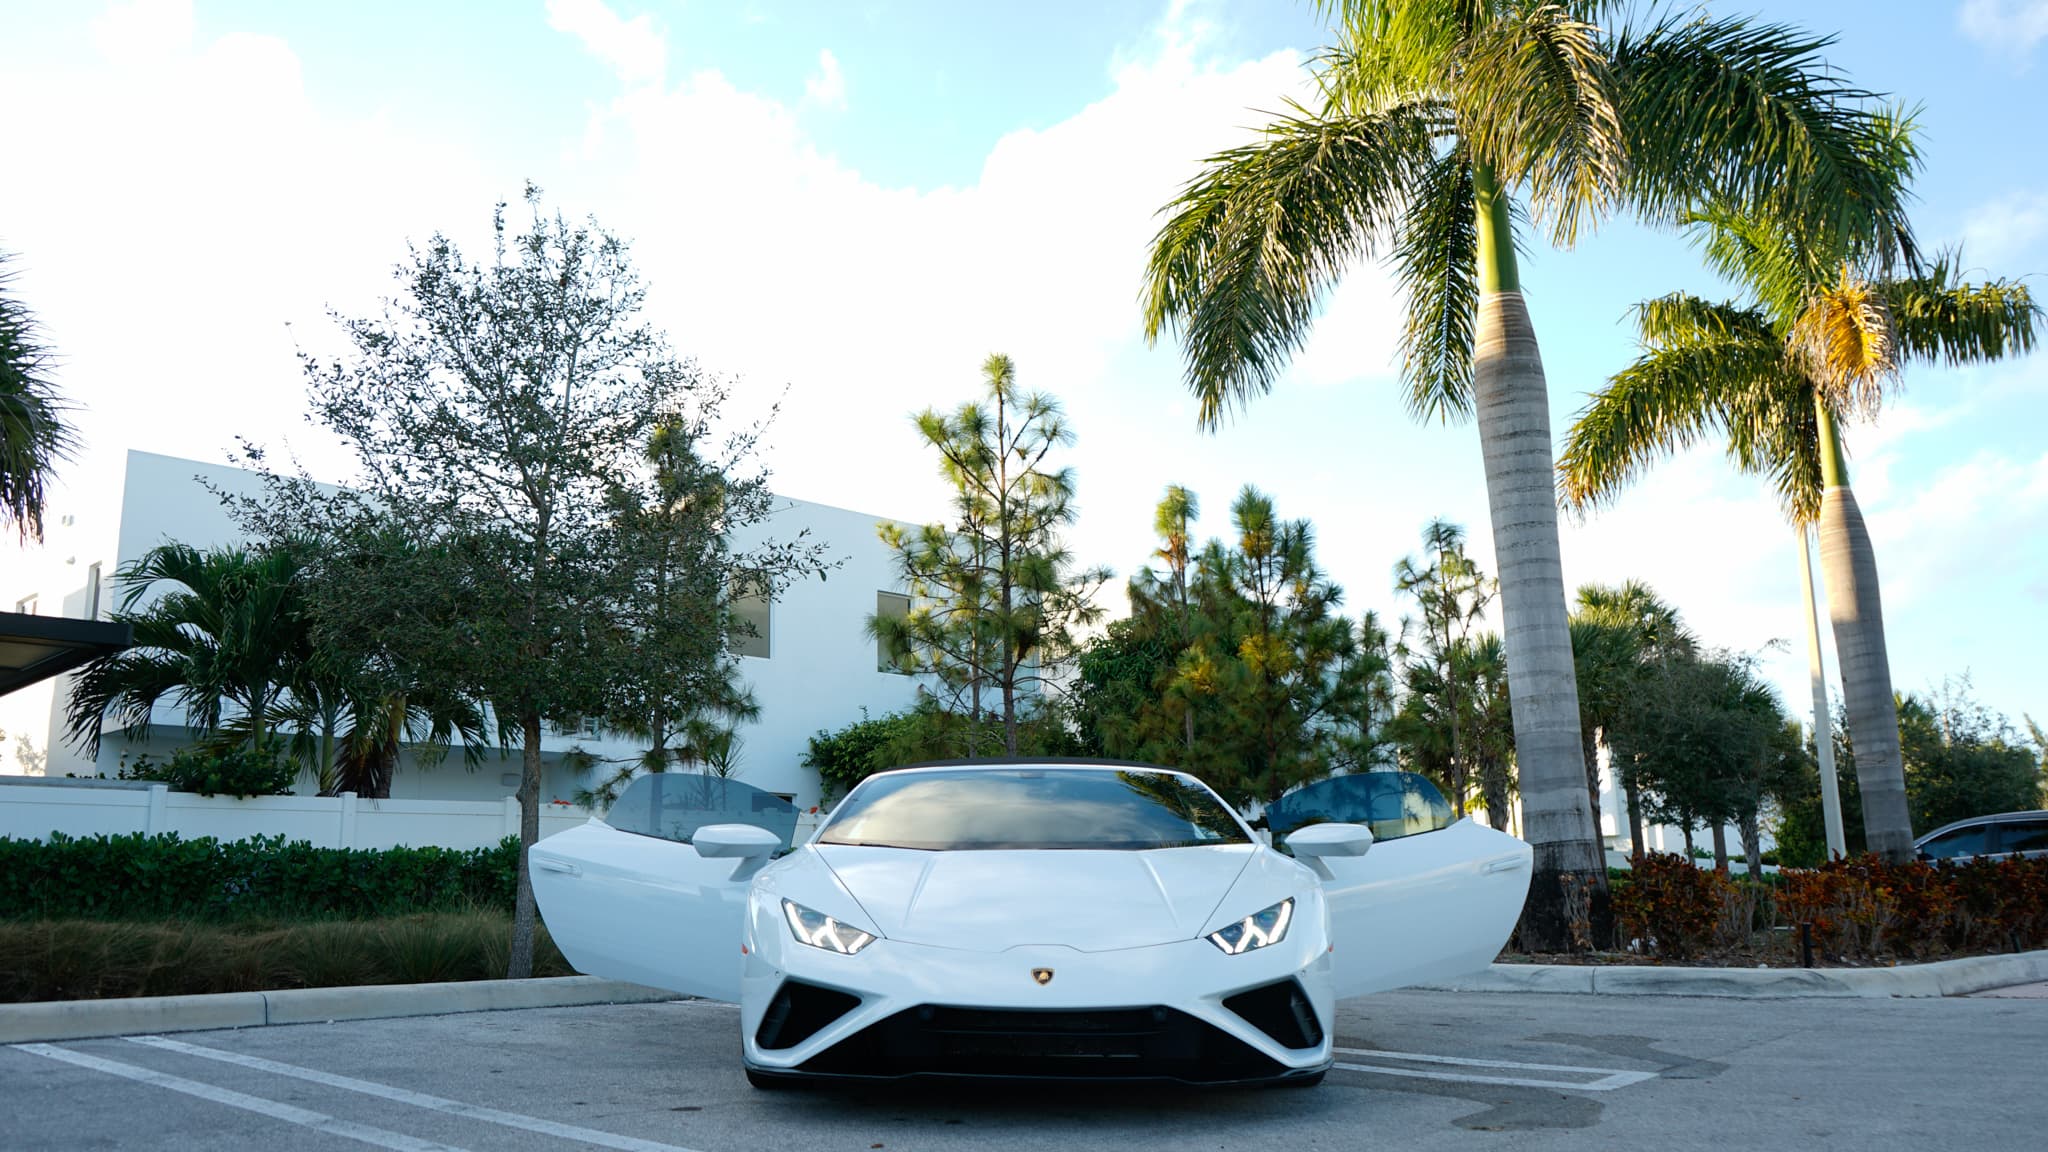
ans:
(1421, 1070)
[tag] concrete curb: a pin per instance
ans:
(83, 1019)
(1941, 978)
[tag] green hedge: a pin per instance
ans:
(85, 959)
(163, 877)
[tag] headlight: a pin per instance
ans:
(1256, 930)
(822, 931)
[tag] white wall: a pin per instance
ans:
(820, 671)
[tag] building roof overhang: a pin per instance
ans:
(35, 648)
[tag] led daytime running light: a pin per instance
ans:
(822, 931)
(1259, 929)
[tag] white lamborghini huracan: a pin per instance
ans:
(1042, 919)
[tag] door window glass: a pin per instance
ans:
(2023, 836)
(1974, 840)
(673, 805)
(1392, 804)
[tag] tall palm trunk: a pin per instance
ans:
(1823, 717)
(1849, 566)
(1514, 434)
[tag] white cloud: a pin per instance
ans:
(2006, 229)
(2010, 27)
(634, 48)
(827, 86)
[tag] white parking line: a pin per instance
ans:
(1608, 1078)
(416, 1099)
(318, 1121)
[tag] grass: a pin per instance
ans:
(94, 959)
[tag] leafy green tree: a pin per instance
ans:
(222, 635)
(500, 411)
(1616, 631)
(1820, 337)
(926, 731)
(1963, 759)
(1452, 594)
(995, 596)
(1707, 743)
(1434, 116)
(35, 421)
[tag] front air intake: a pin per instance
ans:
(1280, 1010)
(798, 1011)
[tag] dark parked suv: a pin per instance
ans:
(2025, 833)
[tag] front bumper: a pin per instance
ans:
(1180, 1011)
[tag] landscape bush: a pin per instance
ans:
(241, 772)
(165, 877)
(92, 959)
(1861, 910)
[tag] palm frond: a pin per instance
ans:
(1750, 115)
(1938, 320)
(1669, 399)
(1252, 244)
(1437, 261)
(1768, 259)
(1535, 101)
(36, 433)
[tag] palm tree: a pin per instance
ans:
(227, 631)
(1819, 339)
(1453, 593)
(1616, 630)
(35, 432)
(1434, 116)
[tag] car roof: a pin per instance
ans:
(1991, 818)
(1055, 763)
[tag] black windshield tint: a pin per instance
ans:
(673, 805)
(988, 808)
(1392, 804)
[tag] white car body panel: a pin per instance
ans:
(1108, 930)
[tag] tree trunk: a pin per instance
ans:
(1638, 835)
(1590, 752)
(1823, 718)
(1688, 839)
(521, 965)
(1753, 846)
(1720, 838)
(1849, 566)
(1514, 434)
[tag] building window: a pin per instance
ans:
(92, 592)
(575, 726)
(750, 607)
(888, 606)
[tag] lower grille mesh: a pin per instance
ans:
(1117, 1043)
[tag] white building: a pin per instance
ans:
(812, 667)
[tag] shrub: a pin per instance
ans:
(91, 959)
(163, 877)
(1868, 910)
(1671, 907)
(240, 772)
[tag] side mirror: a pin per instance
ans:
(1330, 840)
(734, 841)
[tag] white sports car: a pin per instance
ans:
(1041, 919)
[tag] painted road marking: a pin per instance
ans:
(1608, 1079)
(417, 1099)
(318, 1121)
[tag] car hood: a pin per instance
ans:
(991, 901)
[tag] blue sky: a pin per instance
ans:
(847, 205)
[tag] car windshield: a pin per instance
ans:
(1024, 807)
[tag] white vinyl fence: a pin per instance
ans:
(31, 808)
(31, 811)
